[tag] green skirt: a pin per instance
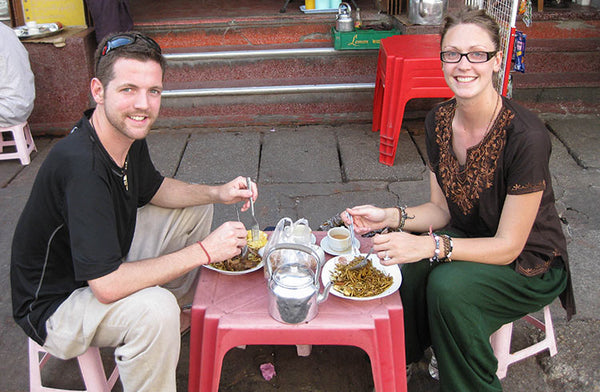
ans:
(455, 307)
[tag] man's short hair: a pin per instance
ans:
(129, 45)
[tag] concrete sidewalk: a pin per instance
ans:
(314, 172)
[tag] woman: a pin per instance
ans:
(491, 207)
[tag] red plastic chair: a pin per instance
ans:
(230, 312)
(408, 67)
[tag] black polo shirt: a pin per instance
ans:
(78, 223)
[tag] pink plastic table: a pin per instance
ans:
(408, 67)
(230, 311)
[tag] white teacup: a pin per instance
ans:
(339, 238)
(301, 234)
(32, 27)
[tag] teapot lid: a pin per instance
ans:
(293, 276)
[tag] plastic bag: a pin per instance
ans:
(290, 242)
(519, 52)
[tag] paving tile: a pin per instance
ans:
(216, 158)
(359, 151)
(166, 150)
(305, 156)
(582, 135)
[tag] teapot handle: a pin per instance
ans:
(422, 10)
(344, 4)
(294, 246)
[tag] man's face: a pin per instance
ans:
(131, 99)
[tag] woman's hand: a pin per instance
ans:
(236, 191)
(226, 241)
(402, 247)
(366, 218)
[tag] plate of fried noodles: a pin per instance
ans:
(369, 282)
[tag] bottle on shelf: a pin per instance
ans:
(357, 20)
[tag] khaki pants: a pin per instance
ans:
(143, 327)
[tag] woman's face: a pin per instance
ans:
(465, 79)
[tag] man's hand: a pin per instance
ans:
(226, 241)
(236, 191)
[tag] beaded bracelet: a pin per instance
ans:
(204, 249)
(403, 216)
(436, 253)
(448, 247)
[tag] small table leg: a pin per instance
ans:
(282, 10)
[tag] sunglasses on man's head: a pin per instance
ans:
(121, 40)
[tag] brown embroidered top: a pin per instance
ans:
(513, 158)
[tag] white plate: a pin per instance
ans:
(318, 11)
(327, 248)
(392, 270)
(45, 29)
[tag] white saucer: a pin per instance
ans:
(327, 248)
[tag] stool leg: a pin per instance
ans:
(500, 341)
(35, 366)
(303, 350)
(29, 139)
(549, 329)
(21, 145)
(92, 370)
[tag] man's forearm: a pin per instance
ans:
(178, 194)
(133, 276)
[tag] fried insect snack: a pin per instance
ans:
(364, 282)
(237, 264)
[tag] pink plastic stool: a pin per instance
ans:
(21, 140)
(500, 341)
(90, 365)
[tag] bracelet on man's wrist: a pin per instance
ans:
(205, 251)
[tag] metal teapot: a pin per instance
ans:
(294, 289)
(343, 19)
(427, 12)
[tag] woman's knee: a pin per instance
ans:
(450, 285)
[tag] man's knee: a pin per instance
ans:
(154, 311)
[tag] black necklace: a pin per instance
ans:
(123, 172)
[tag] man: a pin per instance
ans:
(109, 17)
(102, 230)
(17, 88)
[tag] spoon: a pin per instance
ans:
(355, 251)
